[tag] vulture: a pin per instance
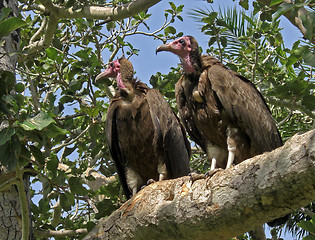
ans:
(145, 138)
(222, 111)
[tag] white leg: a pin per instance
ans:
(162, 171)
(134, 180)
(231, 146)
(230, 158)
(213, 164)
(215, 154)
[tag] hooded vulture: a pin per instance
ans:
(145, 137)
(222, 111)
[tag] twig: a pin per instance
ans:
(72, 141)
(290, 105)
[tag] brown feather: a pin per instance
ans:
(143, 133)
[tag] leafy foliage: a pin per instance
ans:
(53, 115)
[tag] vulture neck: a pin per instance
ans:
(126, 88)
(191, 63)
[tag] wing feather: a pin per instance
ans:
(245, 107)
(167, 125)
(113, 144)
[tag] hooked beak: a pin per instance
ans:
(105, 74)
(165, 47)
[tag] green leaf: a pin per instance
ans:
(38, 155)
(67, 201)
(4, 13)
(76, 187)
(283, 8)
(169, 29)
(307, 225)
(6, 134)
(309, 58)
(10, 25)
(9, 152)
(310, 237)
(52, 53)
(309, 102)
(38, 122)
(54, 131)
(244, 4)
(52, 164)
(172, 6)
(275, 2)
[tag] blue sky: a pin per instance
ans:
(147, 63)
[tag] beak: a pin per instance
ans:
(105, 74)
(164, 47)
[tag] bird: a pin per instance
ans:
(145, 137)
(222, 111)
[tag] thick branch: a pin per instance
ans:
(89, 12)
(103, 13)
(232, 202)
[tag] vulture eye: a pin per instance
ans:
(182, 42)
(112, 64)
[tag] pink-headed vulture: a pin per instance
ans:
(146, 139)
(222, 111)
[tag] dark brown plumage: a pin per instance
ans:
(145, 138)
(222, 111)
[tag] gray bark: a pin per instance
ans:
(10, 208)
(230, 203)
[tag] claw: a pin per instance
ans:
(196, 176)
(150, 181)
(210, 173)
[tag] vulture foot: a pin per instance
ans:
(210, 173)
(196, 176)
(150, 181)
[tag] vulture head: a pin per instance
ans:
(187, 49)
(122, 70)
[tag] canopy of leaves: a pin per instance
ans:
(53, 114)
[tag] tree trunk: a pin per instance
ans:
(10, 207)
(230, 203)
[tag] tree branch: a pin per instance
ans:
(62, 233)
(290, 105)
(295, 20)
(102, 13)
(230, 203)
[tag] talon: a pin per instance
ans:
(210, 173)
(196, 176)
(150, 181)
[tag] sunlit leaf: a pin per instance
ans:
(38, 122)
(10, 25)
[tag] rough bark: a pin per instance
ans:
(10, 205)
(90, 12)
(232, 202)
